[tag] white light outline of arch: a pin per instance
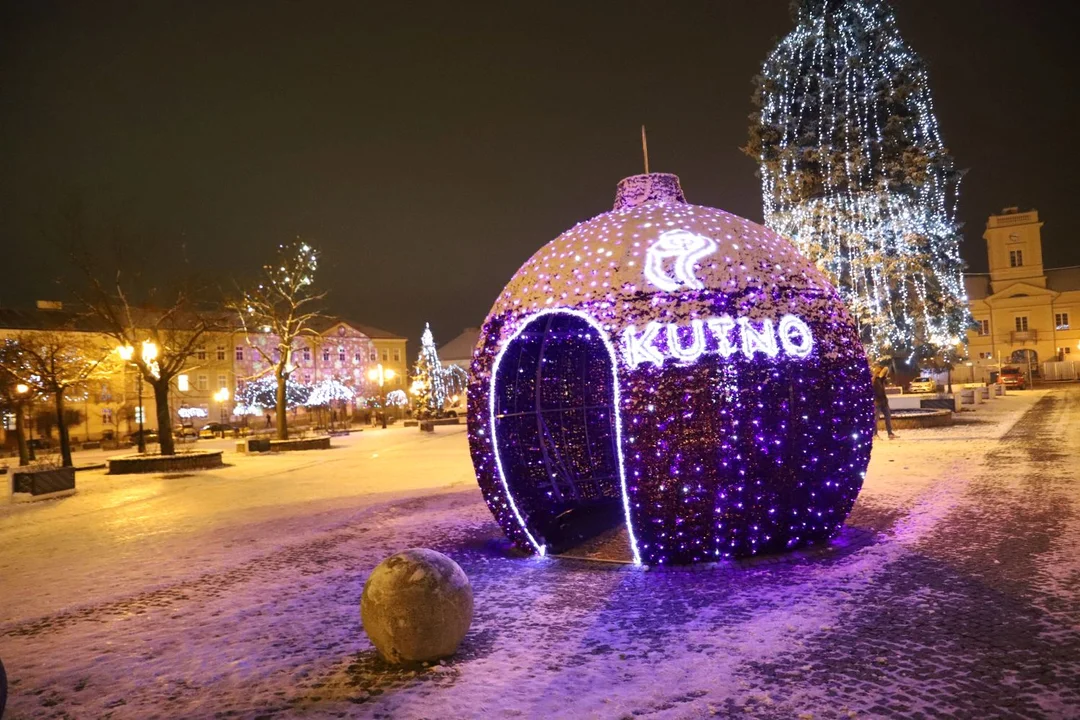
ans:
(616, 398)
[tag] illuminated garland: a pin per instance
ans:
(854, 170)
(677, 370)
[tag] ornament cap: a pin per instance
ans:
(648, 188)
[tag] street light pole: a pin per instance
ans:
(142, 415)
(25, 451)
(381, 375)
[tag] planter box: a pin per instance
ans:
(317, 443)
(129, 464)
(258, 444)
(40, 483)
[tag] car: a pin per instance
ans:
(149, 435)
(1012, 377)
(923, 384)
(213, 430)
(185, 432)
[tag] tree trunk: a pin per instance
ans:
(20, 432)
(164, 417)
(282, 410)
(65, 441)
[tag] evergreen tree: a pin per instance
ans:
(854, 170)
(429, 383)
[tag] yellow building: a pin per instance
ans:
(1027, 316)
(108, 403)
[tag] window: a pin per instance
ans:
(9, 421)
(307, 378)
(1016, 258)
(1021, 323)
(222, 381)
(106, 416)
(139, 415)
(239, 353)
(341, 354)
(326, 354)
(397, 354)
(204, 382)
(374, 356)
(385, 355)
(307, 354)
(984, 327)
(200, 354)
(276, 356)
(357, 357)
(1061, 321)
(221, 352)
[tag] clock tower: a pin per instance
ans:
(1014, 248)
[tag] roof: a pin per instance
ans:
(461, 347)
(1063, 278)
(977, 285)
(323, 323)
(1057, 279)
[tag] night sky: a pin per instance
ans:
(430, 148)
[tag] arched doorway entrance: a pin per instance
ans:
(556, 430)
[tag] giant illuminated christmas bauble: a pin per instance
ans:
(675, 369)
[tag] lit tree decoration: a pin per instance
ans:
(261, 394)
(327, 392)
(429, 384)
(281, 304)
(397, 398)
(854, 170)
(456, 380)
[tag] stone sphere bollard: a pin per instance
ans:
(417, 606)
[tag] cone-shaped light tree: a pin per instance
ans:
(429, 378)
(854, 170)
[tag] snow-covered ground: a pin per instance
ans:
(235, 593)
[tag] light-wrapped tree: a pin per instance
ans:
(281, 304)
(429, 386)
(853, 169)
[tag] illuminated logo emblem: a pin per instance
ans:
(685, 249)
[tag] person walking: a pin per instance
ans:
(881, 400)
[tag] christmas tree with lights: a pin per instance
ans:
(854, 170)
(429, 384)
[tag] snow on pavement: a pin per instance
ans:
(235, 593)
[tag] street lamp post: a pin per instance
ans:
(222, 396)
(26, 451)
(149, 355)
(380, 375)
